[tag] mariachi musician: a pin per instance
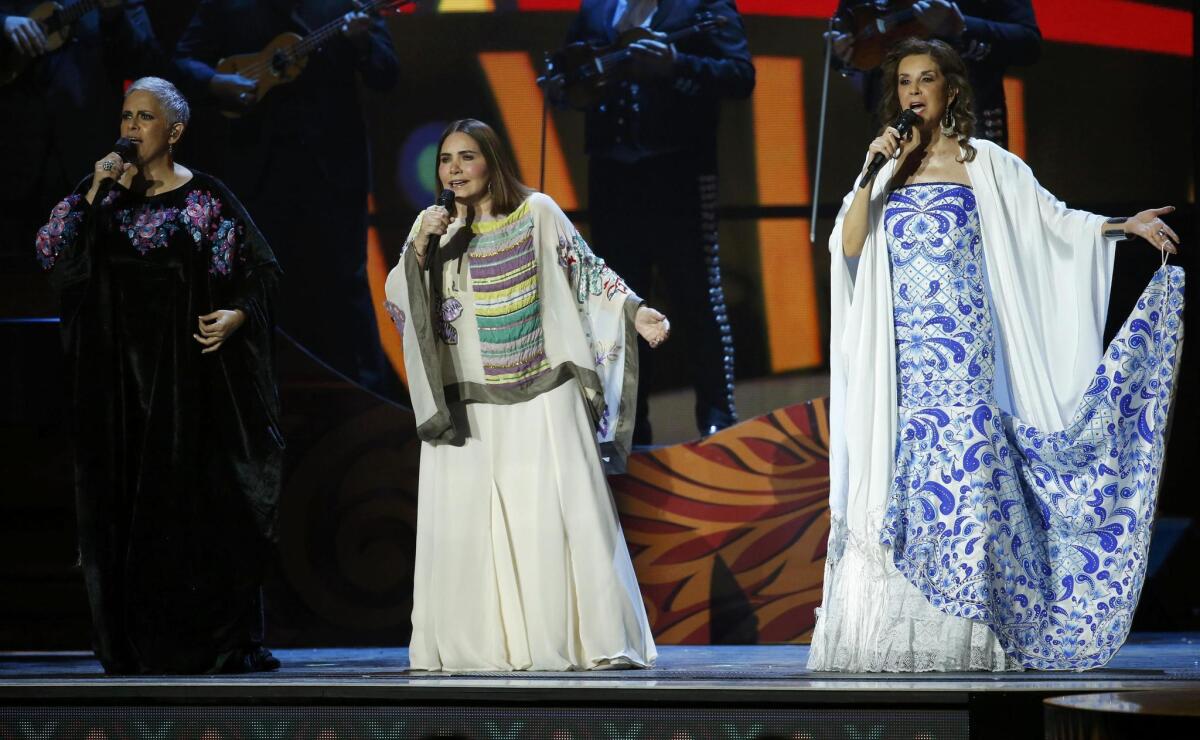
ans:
(60, 90)
(298, 157)
(652, 177)
(990, 35)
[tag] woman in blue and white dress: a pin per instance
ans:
(993, 468)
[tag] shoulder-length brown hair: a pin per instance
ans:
(953, 71)
(508, 192)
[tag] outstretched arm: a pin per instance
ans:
(1147, 225)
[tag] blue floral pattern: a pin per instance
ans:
(1043, 536)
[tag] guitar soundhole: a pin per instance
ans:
(279, 63)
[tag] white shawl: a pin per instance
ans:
(1049, 272)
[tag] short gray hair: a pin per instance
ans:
(168, 97)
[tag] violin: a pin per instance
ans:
(583, 71)
(876, 25)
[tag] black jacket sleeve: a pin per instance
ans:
(1011, 31)
(726, 74)
(198, 49)
(377, 62)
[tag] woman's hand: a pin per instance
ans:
(435, 220)
(110, 167)
(651, 325)
(218, 326)
(1153, 229)
(890, 144)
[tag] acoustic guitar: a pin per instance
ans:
(583, 71)
(283, 59)
(56, 21)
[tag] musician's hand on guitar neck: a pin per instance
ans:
(355, 26)
(26, 35)
(843, 45)
(234, 90)
(653, 58)
(943, 18)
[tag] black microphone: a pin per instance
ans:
(445, 200)
(904, 125)
(127, 151)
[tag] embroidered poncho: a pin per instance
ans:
(527, 308)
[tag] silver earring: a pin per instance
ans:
(948, 123)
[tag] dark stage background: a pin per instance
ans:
(1105, 119)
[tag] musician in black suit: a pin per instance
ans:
(58, 113)
(990, 35)
(652, 177)
(299, 159)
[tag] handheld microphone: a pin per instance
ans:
(904, 125)
(127, 151)
(445, 200)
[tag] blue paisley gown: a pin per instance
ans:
(1042, 536)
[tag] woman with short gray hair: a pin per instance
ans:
(166, 287)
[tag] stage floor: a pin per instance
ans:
(693, 674)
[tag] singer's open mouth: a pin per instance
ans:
(457, 183)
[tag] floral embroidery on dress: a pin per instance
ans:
(606, 355)
(1043, 536)
(451, 309)
(59, 231)
(148, 227)
(586, 272)
(397, 316)
(225, 247)
(604, 425)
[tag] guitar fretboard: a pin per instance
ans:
(314, 40)
(69, 14)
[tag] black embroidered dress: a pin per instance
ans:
(178, 453)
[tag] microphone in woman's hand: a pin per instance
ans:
(445, 200)
(904, 125)
(127, 151)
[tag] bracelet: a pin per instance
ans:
(1119, 234)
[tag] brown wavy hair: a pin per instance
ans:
(953, 71)
(508, 192)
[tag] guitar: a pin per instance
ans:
(55, 21)
(876, 25)
(284, 57)
(582, 71)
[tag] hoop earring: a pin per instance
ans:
(948, 122)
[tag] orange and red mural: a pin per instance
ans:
(728, 533)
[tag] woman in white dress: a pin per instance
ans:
(993, 472)
(520, 347)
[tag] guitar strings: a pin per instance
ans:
(254, 70)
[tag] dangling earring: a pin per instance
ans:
(948, 121)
